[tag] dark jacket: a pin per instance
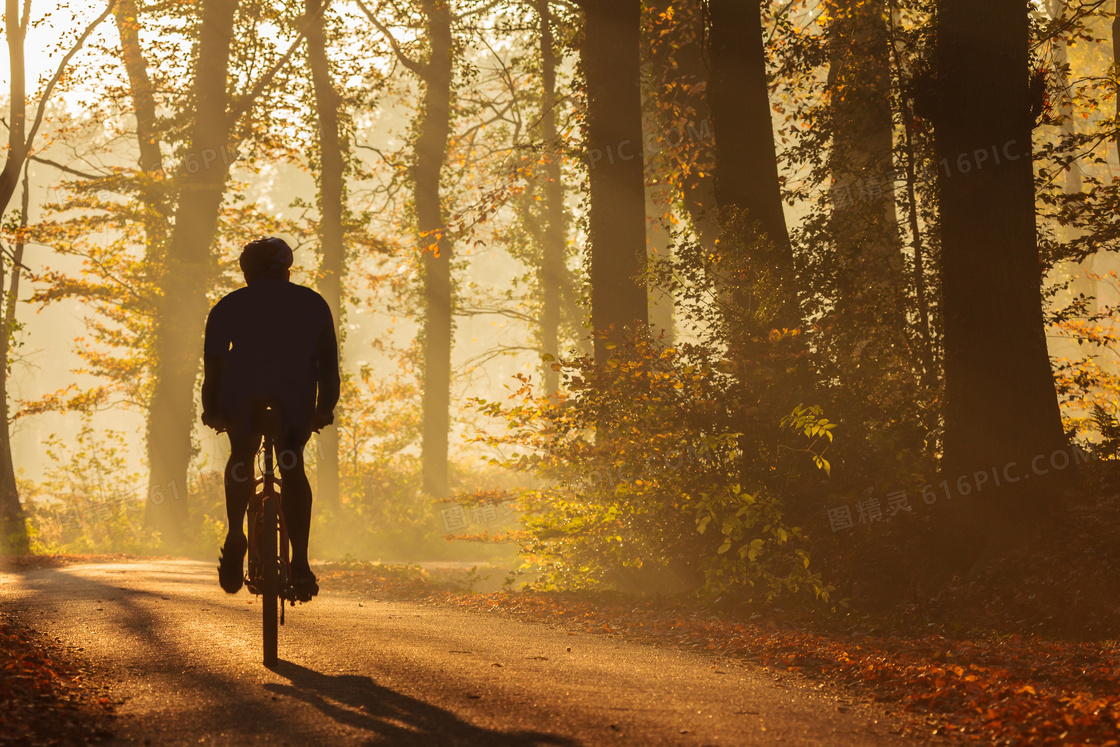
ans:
(272, 340)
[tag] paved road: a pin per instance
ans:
(184, 660)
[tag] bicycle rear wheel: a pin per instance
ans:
(270, 577)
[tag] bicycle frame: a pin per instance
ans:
(269, 572)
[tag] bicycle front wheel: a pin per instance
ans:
(270, 577)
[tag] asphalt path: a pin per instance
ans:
(182, 659)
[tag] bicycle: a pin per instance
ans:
(269, 570)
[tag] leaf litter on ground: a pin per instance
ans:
(1004, 689)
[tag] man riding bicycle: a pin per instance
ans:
(272, 342)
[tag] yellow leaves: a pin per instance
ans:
(823, 464)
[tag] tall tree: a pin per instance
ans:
(863, 220)
(1082, 282)
(746, 169)
(13, 528)
(910, 158)
(554, 240)
(186, 275)
(188, 270)
(866, 347)
(611, 61)
(1116, 63)
(21, 142)
(1000, 403)
(431, 155)
(332, 211)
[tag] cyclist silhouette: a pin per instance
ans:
(270, 342)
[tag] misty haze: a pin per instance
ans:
(560, 372)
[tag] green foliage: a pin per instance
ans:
(89, 500)
(15, 536)
(1108, 426)
(665, 468)
(868, 244)
(809, 421)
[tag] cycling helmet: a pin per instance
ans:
(265, 256)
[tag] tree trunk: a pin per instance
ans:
(746, 171)
(13, 525)
(127, 15)
(157, 215)
(867, 346)
(659, 247)
(610, 59)
(185, 278)
(332, 201)
(1001, 410)
(17, 127)
(431, 154)
(864, 223)
(553, 271)
(1082, 283)
(927, 350)
(1116, 66)
(13, 529)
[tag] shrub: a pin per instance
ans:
(666, 467)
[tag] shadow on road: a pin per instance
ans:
(153, 636)
(359, 702)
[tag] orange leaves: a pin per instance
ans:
(1007, 691)
(966, 694)
(41, 699)
(70, 399)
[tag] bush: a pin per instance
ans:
(89, 500)
(666, 467)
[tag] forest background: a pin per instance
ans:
(778, 300)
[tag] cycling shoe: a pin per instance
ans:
(231, 564)
(304, 586)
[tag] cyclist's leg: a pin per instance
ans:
(240, 477)
(297, 496)
(240, 484)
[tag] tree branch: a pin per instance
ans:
(41, 110)
(67, 169)
(246, 102)
(405, 60)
